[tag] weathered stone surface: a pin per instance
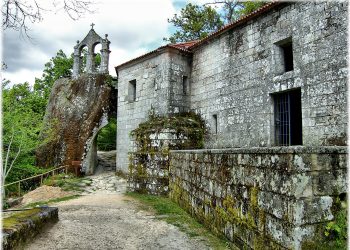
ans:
(234, 76)
(254, 194)
(107, 159)
(149, 165)
(77, 109)
(22, 226)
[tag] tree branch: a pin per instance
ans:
(8, 151)
(18, 14)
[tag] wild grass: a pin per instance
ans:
(166, 209)
(43, 203)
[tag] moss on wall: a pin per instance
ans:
(149, 165)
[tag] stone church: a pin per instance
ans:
(272, 89)
(276, 77)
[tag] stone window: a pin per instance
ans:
(132, 91)
(287, 118)
(185, 85)
(284, 56)
(215, 124)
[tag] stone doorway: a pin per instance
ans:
(105, 148)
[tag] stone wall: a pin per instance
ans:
(149, 164)
(260, 197)
(235, 74)
(22, 226)
(158, 91)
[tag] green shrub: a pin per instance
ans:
(106, 138)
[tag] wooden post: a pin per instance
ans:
(41, 180)
(19, 188)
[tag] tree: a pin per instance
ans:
(59, 66)
(250, 6)
(22, 119)
(106, 137)
(229, 9)
(194, 22)
(18, 14)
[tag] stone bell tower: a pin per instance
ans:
(90, 42)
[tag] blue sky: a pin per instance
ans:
(134, 27)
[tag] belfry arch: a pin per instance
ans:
(89, 42)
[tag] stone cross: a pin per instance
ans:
(92, 25)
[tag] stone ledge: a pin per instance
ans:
(270, 150)
(25, 225)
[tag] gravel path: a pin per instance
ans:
(104, 218)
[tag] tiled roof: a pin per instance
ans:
(183, 45)
(188, 46)
(179, 46)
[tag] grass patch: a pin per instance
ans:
(41, 203)
(175, 215)
(68, 182)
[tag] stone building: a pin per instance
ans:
(276, 77)
(271, 87)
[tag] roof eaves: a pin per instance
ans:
(240, 21)
(156, 51)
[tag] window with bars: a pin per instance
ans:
(287, 113)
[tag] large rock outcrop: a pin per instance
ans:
(77, 109)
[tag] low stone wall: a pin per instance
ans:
(149, 173)
(24, 225)
(149, 164)
(260, 197)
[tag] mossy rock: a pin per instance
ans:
(24, 225)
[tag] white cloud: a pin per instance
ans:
(133, 27)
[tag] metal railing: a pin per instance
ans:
(52, 172)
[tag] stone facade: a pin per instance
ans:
(156, 92)
(237, 73)
(273, 197)
(234, 76)
(272, 88)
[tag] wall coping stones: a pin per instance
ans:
(271, 150)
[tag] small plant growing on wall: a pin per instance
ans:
(149, 165)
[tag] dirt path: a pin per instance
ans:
(104, 218)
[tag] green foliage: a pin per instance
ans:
(189, 124)
(59, 66)
(68, 182)
(197, 22)
(194, 22)
(23, 110)
(250, 6)
(333, 235)
(175, 215)
(106, 138)
(43, 203)
(20, 172)
(336, 231)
